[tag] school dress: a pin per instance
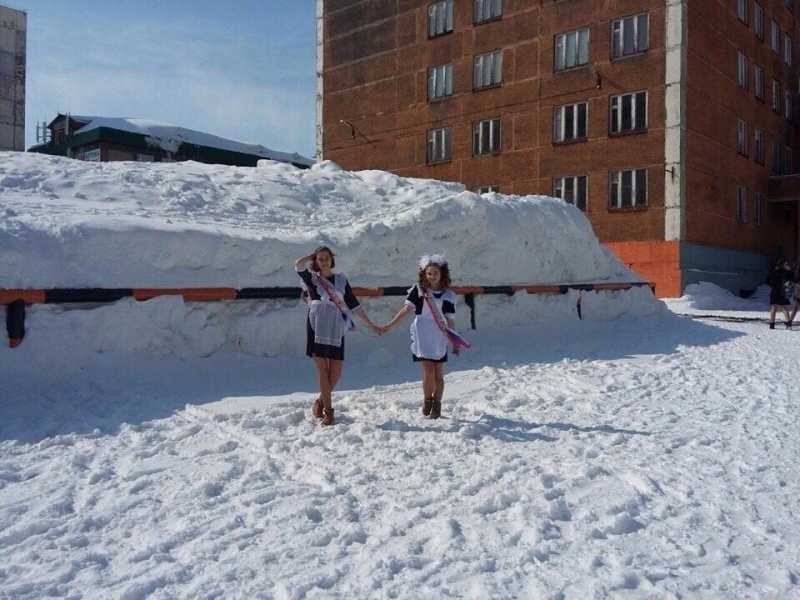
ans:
(325, 327)
(777, 282)
(427, 340)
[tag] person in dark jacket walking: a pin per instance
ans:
(777, 280)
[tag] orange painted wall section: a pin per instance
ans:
(658, 262)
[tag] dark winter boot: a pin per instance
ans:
(327, 419)
(427, 404)
(316, 409)
(772, 325)
(788, 324)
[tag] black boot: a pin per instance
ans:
(788, 324)
(772, 325)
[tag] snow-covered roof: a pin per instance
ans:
(169, 137)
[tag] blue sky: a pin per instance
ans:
(239, 69)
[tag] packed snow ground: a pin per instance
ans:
(166, 450)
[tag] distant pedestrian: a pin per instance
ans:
(331, 301)
(434, 305)
(777, 279)
(795, 295)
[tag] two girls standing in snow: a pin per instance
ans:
(434, 306)
(331, 300)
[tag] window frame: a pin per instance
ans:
(561, 50)
(776, 95)
(617, 186)
(565, 114)
(440, 18)
(741, 10)
(480, 8)
(787, 49)
(758, 20)
(439, 145)
(741, 69)
(775, 37)
(619, 35)
(446, 79)
(741, 137)
(486, 142)
(495, 70)
(777, 160)
(758, 209)
(615, 121)
(579, 183)
(741, 203)
(758, 146)
(486, 189)
(758, 83)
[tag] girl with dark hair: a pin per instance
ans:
(434, 305)
(778, 297)
(331, 301)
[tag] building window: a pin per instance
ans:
(627, 188)
(486, 137)
(758, 84)
(572, 50)
(485, 10)
(741, 203)
(787, 49)
(758, 20)
(569, 122)
(571, 190)
(629, 35)
(440, 18)
(741, 136)
(776, 96)
(487, 70)
(145, 158)
(485, 189)
(440, 145)
(440, 82)
(758, 146)
(776, 155)
(741, 62)
(788, 105)
(775, 40)
(789, 4)
(788, 161)
(741, 10)
(628, 112)
(758, 209)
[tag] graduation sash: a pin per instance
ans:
(337, 302)
(441, 322)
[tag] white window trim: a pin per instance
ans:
(562, 61)
(616, 106)
(615, 180)
(487, 70)
(440, 145)
(741, 69)
(560, 122)
(741, 203)
(641, 40)
(486, 138)
(581, 201)
(758, 146)
(758, 20)
(486, 10)
(758, 208)
(440, 18)
(741, 136)
(440, 82)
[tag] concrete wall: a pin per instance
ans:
(13, 30)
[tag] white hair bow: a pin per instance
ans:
(432, 259)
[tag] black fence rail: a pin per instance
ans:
(15, 300)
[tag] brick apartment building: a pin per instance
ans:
(671, 123)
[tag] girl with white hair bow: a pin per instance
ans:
(434, 306)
